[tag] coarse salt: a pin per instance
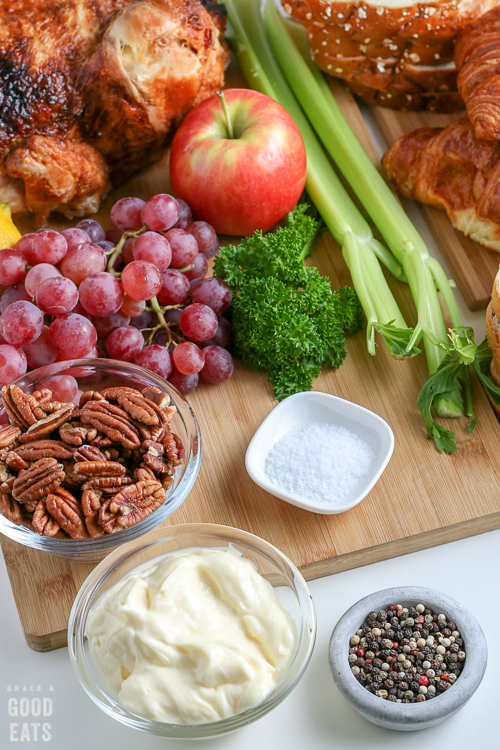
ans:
(319, 462)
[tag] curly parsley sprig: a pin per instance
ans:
(286, 318)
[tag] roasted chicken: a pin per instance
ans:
(91, 91)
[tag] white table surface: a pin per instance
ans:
(315, 716)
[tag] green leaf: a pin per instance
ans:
(397, 339)
(481, 365)
(462, 340)
(443, 381)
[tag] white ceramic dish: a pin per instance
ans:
(311, 407)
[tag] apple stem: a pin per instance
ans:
(227, 116)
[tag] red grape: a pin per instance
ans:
(173, 316)
(160, 212)
(198, 322)
(174, 288)
(48, 247)
(12, 266)
(93, 229)
(25, 246)
(203, 233)
(105, 245)
(132, 307)
(13, 294)
(73, 335)
(199, 269)
(213, 292)
(42, 351)
(212, 250)
(124, 343)
(75, 237)
(126, 214)
(154, 248)
(114, 235)
(184, 247)
(218, 365)
(13, 364)
(188, 358)
(185, 384)
(156, 359)
(64, 387)
(104, 325)
(161, 338)
(37, 275)
(101, 294)
(21, 323)
(141, 280)
(222, 336)
(128, 250)
(56, 296)
(80, 311)
(144, 320)
(185, 215)
(82, 261)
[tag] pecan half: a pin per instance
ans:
(107, 485)
(43, 522)
(112, 421)
(10, 508)
(43, 396)
(137, 501)
(154, 394)
(47, 424)
(111, 394)
(9, 433)
(99, 469)
(174, 448)
(44, 449)
(101, 441)
(12, 459)
(64, 508)
(91, 505)
(153, 456)
(91, 396)
(76, 433)
(89, 453)
(142, 410)
(143, 472)
(43, 477)
(23, 409)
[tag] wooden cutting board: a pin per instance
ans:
(472, 265)
(423, 498)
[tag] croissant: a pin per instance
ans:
(450, 169)
(477, 55)
(493, 332)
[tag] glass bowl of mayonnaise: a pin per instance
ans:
(192, 631)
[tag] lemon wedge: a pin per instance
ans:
(9, 233)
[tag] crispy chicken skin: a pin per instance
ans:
(91, 91)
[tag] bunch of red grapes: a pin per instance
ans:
(128, 287)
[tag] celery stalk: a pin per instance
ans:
(319, 104)
(361, 251)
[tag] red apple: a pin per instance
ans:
(242, 183)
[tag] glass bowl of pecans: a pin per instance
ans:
(93, 453)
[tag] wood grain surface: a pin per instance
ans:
(472, 265)
(422, 499)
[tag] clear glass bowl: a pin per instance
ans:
(97, 374)
(289, 586)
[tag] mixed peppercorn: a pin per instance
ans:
(407, 654)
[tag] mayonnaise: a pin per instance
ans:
(195, 637)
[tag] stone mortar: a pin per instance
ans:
(403, 716)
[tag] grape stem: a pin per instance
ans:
(227, 116)
(185, 268)
(117, 251)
